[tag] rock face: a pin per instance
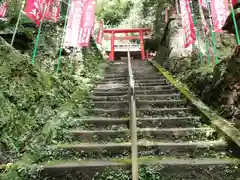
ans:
(177, 58)
(217, 83)
(226, 87)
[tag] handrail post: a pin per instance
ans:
(133, 123)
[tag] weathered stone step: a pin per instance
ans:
(110, 93)
(169, 168)
(119, 87)
(116, 80)
(118, 72)
(138, 92)
(176, 134)
(158, 96)
(148, 148)
(142, 122)
(110, 76)
(161, 103)
(157, 91)
(123, 112)
(118, 84)
(164, 111)
(146, 74)
(117, 112)
(139, 103)
(99, 123)
(137, 81)
(153, 84)
(138, 97)
(163, 135)
(103, 135)
(169, 122)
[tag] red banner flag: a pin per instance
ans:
(36, 9)
(74, 23)
(3, 9)
(187, 23)
(234, 2)
(87, 22)
(100, 33)
(54, 11)
(219, 9)
(204, 4)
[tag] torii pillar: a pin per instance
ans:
(111, 57)
(142, 45)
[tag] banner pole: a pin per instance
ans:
(212, 31)
(235, 23)
(197, 33)
(64, 32)
(39, 31)
(17, 24)
(203, 32)
(71, 61)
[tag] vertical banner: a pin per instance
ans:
(100, 33)
(204, 4)
(74, 23)
(34, 10)
(219, 9)
(166, 15)
(87, 22)
(3, 9)
(187, 23)
(54, 11)
(234, 2)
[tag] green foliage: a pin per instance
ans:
(36, 106)
(29, 98)
(150, 172)
(114, 12)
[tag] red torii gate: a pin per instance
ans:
(141, 32)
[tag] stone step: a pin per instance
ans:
(176, 134)
(117, 112)
(123, 112)
(103, 135)
(158, 96)
(110, 93)
(118, 71)
(153, 84)
(142, 122)
(119, 87)
(125, 84)
(137, 91)
(110, 76)
(149, 80)
(147, 148)
(99, 123)
(164, 112)
(161, 103)
(169, 122)
(169, 168)
(138, 97)
(139, 103)
(163, 135)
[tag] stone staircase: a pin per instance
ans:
(171, 133)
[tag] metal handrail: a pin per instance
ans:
(132, 122)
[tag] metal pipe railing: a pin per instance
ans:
(132, 120)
